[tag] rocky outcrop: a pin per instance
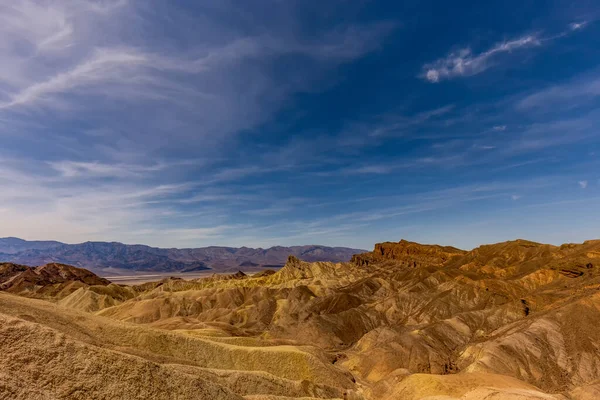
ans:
(409, 254)
(47, 280)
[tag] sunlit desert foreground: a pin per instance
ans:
(514, 320)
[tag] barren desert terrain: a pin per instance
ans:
(514, 320)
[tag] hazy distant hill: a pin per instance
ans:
(12, 245)
(96, 255)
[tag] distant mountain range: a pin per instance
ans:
(102, 256)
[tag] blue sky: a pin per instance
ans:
(260, 123)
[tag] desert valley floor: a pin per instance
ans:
(515, 320)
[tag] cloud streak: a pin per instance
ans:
(105, 65)
(571, 95)
(73, 169)
(465, 62)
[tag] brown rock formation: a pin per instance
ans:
(46, 280)
(409, 254)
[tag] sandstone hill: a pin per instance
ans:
(514, 320)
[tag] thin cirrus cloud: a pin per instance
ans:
(72, 169)
(571, 94)
(465, 63)
(94, 57)
(101, 62)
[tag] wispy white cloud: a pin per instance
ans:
(583, 184)
(219, 82)
(37, 34)
(89, 209)
(197, 235)
(347, 43)
(278, 207)
(569, 95)
(104, 66)
(554, 132)
(578, 25)
(484, 146)
(465, 62)
(370, 169)
(399, 124)
(71, 169)
(410, 164)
